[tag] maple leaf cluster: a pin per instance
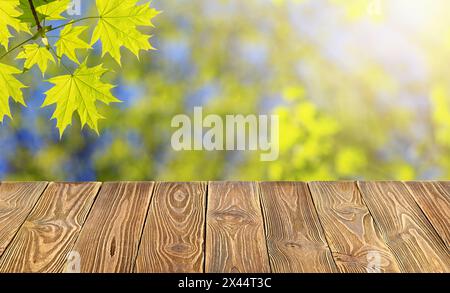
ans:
(116, 26)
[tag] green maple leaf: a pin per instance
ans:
(27, 15)
(11, 88)
(35, 54)
(8, 13)
(69, 41)
(79, 92)
(54, 9)
(117, 26)
(46, 9)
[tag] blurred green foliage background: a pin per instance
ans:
(362, 88)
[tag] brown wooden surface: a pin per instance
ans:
(351, 231)
(406, 230)
(295, 238)
(434, 200)
(111, 235)
(235, 240)
(16, 202)
(173, 238)
(225, 227)
(49, 232)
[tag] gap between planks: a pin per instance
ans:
(432, 223)
(17, 204)
(352, 234)
(109, 240)
(407, 231)
(46, 237)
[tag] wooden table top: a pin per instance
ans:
(241, 227)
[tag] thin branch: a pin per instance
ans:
(18, 46)
(35, 15)
(41, 30)
(60, 60)
(72, 22)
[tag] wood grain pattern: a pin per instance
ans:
(48, 234)
(243, 227)
(405, 229)
(355, 241)
(16, 202)
(235, 240)
(111, 235)
(295, 238)
(434, 200)
(173, 237)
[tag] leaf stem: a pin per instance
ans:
(35, 15)
(72, 22)
(18, 46)
(41, 30)
(60, 60)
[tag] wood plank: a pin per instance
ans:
(405, 229)
(355, 241)
(48, 234)
(109, 240)
(173, 237)
(16, 202)
(295, 238)
(434, 200)
(235, 240)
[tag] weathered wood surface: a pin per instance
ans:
(235, 241)
(111, 235)
(350, 229)
(45, 239)
(434, 200)
(295, 237)
(225, 227)
(16, 202)
(173, 238)
(405, 228)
